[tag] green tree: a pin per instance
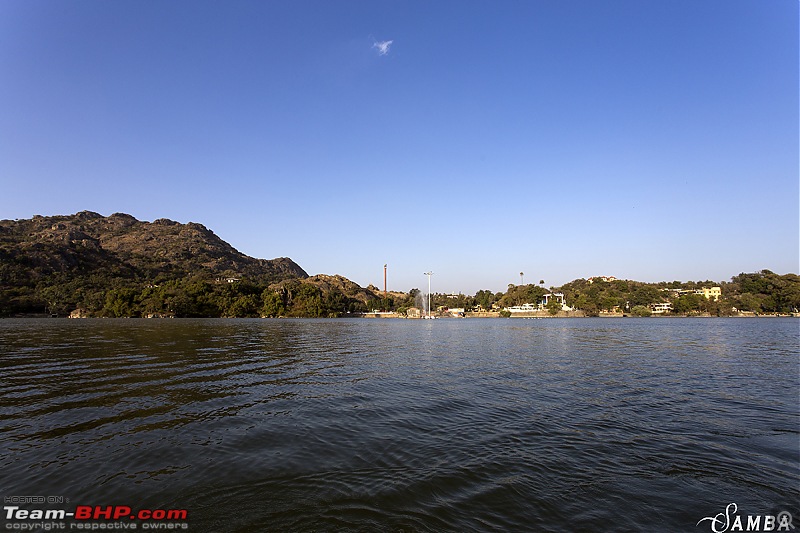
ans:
(272, 304)
(59, 299)
(756, 303)
(120, 303)
(688, 303)
(646, 295)
(485, 299)
(246, 305)
(585, 304)
(335, 303)
(307, 302)
(609, 302)
(522, 294)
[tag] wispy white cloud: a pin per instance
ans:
(382, 47)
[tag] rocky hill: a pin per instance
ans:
(129, 247)
(43, 259)
(341, 284)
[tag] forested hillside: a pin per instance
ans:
(120, 266)
(760, 292)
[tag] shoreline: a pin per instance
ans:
(395, 316)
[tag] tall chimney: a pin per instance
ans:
(384, 281)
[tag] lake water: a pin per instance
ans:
(393, 425)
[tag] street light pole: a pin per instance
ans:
(429, 274)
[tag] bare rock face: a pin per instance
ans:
(327, 284)
(79, 313)
(343, 285)
(88, 242)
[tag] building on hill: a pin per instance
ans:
(559, 296)
(542, 305)
(710, 293)
(661, 308)
(607, 279)
(524, 308)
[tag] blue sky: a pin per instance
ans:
(649, 140)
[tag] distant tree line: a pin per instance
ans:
(187, 297)
(760, 292)
(104, 295)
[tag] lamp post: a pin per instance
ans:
(429, 274)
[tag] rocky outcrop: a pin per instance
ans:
(87, 241)
(326, 284)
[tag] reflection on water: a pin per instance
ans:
(607, 424)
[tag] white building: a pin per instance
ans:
(661, 308)
(559, 296)
(524, 308)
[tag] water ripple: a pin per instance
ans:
(466, 425)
